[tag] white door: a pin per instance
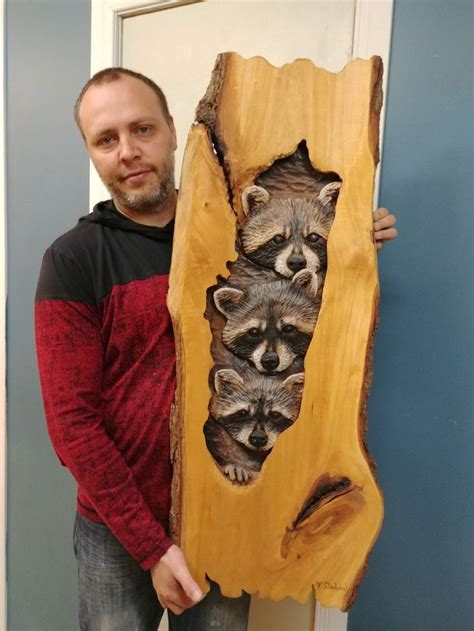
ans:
(176, 43)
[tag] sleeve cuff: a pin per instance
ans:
(153, 559)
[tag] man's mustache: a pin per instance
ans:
(137, 169)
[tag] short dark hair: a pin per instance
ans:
(108, 75)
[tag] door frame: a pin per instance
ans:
(3, 359)
(106, 49)
(372, 30)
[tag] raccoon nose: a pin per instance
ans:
(270, 360)
(296, 262)
(258, 438)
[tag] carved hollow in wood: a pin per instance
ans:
(263, 315)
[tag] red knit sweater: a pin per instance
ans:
(107, 368)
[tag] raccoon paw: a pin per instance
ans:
(238, 475)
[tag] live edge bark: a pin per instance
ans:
(312, 514)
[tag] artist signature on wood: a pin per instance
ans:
(335, 586)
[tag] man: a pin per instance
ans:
(106, 360)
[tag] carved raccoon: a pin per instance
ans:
(288, 235)
(246, 417)
(272, 324)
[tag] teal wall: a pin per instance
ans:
(47, 60)
(421, 573)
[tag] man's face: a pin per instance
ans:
(130, 142)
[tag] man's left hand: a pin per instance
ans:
(384, 229)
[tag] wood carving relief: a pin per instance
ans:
(273, 295)
(270, 304)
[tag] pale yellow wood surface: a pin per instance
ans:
(241, 537)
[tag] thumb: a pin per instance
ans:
(189, 585)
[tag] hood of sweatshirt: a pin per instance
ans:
(105, 213)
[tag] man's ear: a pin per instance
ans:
(173, 132)
(227, 299)
(253, 197)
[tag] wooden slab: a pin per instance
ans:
(311, 518)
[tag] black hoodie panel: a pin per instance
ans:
(103, 250)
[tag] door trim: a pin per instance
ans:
(329, 619)
(371, 35)
(3, 360)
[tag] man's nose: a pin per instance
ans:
(129, 149)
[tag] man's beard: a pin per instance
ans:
(149, 200)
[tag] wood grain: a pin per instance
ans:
(312, 517)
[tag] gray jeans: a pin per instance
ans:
(115, 594)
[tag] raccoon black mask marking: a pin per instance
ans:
(272, 324)
(288, 235)
(255, 411)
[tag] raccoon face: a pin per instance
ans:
(272, 324)
(255, 411)
(288, 235)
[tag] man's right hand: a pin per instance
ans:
(175, 587)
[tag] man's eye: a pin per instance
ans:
(278, 238)
(313, 237)
(106, 140)
(143, 129)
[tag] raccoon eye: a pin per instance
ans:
(274, 416)
(279, 421)
(253, 332)
(278, 239)
(288, 329)
(241, 414)
(313, 237)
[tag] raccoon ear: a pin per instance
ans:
(254, 196)
(227, 299)
(329, 194)
(294, 384)
(306, 279)
(227, 379)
